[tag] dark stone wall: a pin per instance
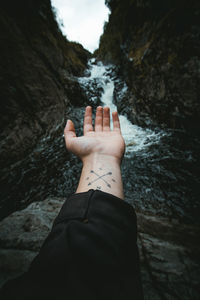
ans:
(156, 47)
(37, 65)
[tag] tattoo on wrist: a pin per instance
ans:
(100, 177)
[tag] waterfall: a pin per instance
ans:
(136, 138)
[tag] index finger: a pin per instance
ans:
(87, 125)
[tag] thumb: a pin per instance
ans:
(69, 132)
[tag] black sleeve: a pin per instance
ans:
(90, 253)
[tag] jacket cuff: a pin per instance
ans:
(97, 204)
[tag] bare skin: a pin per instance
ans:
(101, 151)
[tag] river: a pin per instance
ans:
(160, 169)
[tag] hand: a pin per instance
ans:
(101, 141)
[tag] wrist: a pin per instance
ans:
(96, 158)
(101, 172)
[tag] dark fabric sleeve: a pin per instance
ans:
(90, 253)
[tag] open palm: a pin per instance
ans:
(101, 141)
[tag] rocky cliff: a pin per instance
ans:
(37, 86)
(36, 64)
(156, 46)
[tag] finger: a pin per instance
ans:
(69, 132)
(88, 120)
(99, 119)
(116, 123)
(106, 119)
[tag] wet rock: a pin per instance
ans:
(169, 254)
(92, 91)
(22, 234)
(14, 262)
(173, 270)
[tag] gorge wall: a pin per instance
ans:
(37, 66)
(156, 46)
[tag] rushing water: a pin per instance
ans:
(160, 170)
(136, 138)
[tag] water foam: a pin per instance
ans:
(136, 138)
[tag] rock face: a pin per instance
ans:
(156, 46)
(169, 254)
(37, 64)
(37, 83)
(168, 265)
(22, 235)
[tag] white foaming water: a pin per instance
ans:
(136, 138)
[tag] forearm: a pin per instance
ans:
(102, 173)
